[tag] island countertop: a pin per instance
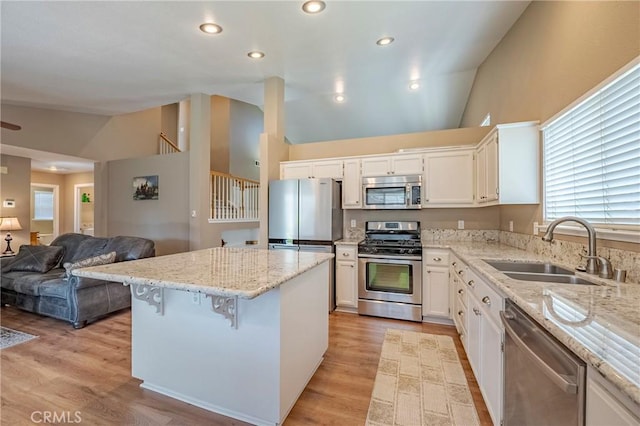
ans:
(246, 273)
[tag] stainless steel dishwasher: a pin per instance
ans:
(544, 382)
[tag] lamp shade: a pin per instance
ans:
(10, 224)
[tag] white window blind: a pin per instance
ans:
(42, 205)
(592, 156)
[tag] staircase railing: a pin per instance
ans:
(233, 199)
(166, 146)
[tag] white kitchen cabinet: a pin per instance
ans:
(346, 278)
(508, 165)
(435, 283)
(352, 185)
(311, 169)
(607, 406)
(485, 337)
(399, 164)
(448, 179)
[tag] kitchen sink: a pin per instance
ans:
(548, 278)
(530, 267)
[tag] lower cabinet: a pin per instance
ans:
(606, 406)
(484, 341)
(435, 284)
(346, 278)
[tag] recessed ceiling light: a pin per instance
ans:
(414, 85)
(385, 41)
(339, 98)
(211, 28)
(313, 6)
(255, 55)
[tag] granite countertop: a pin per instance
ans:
(246, 273)
(348, 241)
(599, 323)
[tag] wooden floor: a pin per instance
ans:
(88, 371)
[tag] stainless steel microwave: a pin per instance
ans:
(392, 192)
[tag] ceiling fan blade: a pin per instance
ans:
(9, 126)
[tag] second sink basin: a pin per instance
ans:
(549, 278)
(531, 267)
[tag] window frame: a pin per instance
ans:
(614, 232)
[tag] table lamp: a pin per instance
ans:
(9, 224)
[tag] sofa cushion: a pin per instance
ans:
(130, 248)
(35, 259)
(89, 248)
(31, 282)
(70, 242)
(101, 259)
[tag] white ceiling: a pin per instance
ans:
(114, 57)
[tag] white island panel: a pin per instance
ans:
(254, 372)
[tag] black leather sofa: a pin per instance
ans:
(57, 293)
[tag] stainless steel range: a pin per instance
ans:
(390, 271)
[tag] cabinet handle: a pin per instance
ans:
(454, 264)
(471, 283)
(357, 202)
(351, 266)
(437, 259)
(461, 291)
(477, 311)
(461, 271)
(460, 313)
(345, 254)
(486, 300)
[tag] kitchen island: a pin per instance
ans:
(236, 331)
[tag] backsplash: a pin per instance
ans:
(565, 252)
(569, 252)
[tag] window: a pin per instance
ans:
(42, 205)
(592, 155)
(486, 121)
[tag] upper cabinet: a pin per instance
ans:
(448, 179)
(311, 169)
(352, 185)
(398, 164)
(508, 165)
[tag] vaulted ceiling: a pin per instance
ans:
(114, 57)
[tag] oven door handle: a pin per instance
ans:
(558, 379)
(384, 257)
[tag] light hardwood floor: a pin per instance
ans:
(89, 371)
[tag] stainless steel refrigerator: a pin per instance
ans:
(306, 215)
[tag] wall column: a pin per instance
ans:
(272, 148)
(199, 169)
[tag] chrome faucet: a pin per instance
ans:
(592, 257)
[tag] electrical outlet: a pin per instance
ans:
(195, 298)
(510, 226)
(461, 224)
(353, 223)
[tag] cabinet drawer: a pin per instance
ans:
(490, 300)
(346, 253)
(436, 257)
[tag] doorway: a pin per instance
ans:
(83, 210)
(45, 213)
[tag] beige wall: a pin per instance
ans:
(95, 137)
(170, 121)
(165, 220)
(15, 184)
(220, 128)
(474, 218)
(246, 125)
(555, 52)
(386, 144)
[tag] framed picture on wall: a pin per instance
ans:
(145, 188)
